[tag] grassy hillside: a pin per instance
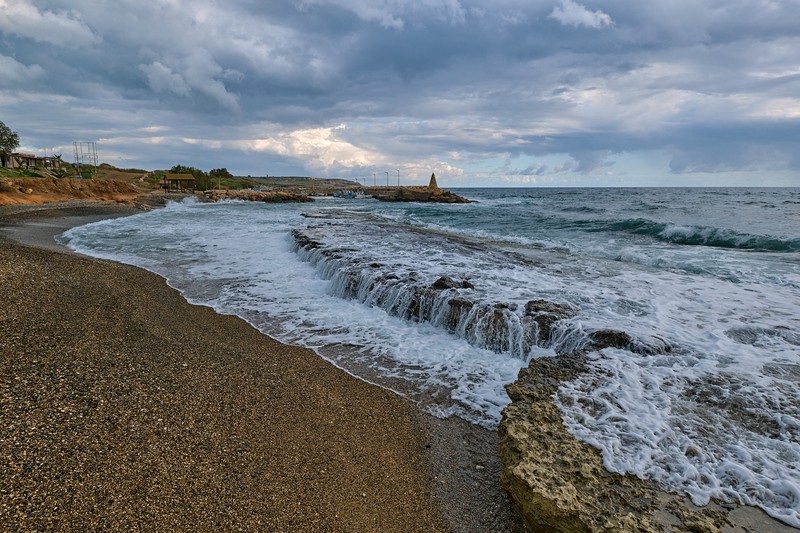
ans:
(19, 185)
(12, 173)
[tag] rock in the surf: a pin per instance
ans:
(559, 483)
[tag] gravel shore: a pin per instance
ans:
(125, 407)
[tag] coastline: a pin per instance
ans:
(128, 406)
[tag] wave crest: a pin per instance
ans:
(695, 235)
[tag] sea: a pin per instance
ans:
(431, 301)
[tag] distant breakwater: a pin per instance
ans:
(256, 196)
(415, 194)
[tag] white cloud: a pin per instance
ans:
(162, 79)
(319, 148)
(197, 72)
(322, 145)
(20, 17)
(574, 14)
(201, 72)
(777, 109)
(12, 71)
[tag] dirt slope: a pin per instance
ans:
(43, 190)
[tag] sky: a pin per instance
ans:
(483, 93)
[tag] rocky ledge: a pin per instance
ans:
(559, 483)
(419, 194)
(256, 196)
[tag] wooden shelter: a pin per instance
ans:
(178, 182)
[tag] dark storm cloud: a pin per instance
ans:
(352, 86)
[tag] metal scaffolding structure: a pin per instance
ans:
(85, 158)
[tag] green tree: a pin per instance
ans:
(201, 179)
(217, 175)
(220, 173)
(9, 140)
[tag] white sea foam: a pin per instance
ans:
(238, 260)
(717, 416)
(693, 427)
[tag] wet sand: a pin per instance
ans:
(124, 407)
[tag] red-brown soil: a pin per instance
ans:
(16, 191)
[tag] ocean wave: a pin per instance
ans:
(689, 235)
(500, 234)
(510, 328)
(583, 209)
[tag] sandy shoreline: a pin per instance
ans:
(124, 406)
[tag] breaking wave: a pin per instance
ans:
(693, 235)
(450, 304)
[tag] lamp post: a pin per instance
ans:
(398, 177)
(387, 178)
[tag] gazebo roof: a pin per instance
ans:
(178, 177)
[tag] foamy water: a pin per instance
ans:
(706, 284)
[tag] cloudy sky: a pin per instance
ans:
(482, 92)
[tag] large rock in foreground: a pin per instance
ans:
(559, 484)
